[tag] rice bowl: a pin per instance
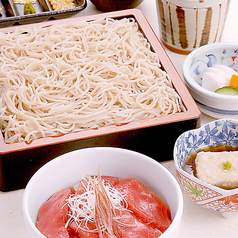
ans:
(113, 162)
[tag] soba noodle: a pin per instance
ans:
(59, 79)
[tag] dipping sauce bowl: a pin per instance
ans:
(216, 133)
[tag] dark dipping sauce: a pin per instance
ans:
(189, 164)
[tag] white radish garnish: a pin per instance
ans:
(100, 204)
(212, 81)
(217, 76)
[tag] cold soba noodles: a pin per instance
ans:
(64, 78)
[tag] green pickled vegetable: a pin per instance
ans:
(227, 90)
(28, 8)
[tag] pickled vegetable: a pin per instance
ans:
(227, 90)
(234, 81)
(29, 8)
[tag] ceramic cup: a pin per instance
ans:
(188, 24)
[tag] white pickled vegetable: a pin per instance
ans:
(217, 76)
(212, 81)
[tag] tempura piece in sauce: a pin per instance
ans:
(218, 168)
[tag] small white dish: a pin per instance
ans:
(211, 103)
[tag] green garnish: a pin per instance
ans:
(227, 90)
(227, 165)
(28, 8)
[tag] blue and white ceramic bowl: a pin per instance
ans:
(216, 133)
(211, 103)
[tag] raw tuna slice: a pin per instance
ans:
(53, 215)
(147, 215)
(76, 232)
(145, 204)
(130, 227)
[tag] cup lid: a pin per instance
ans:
(196, 3)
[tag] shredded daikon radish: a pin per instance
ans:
(98, 204)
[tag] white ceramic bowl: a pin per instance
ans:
(70, 168)
(216, 133)
(211, 103)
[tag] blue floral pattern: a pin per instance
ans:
(220, 132)
(216, 133)
(201, 62)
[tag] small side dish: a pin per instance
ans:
(208, 58)
(104, 206)
(206, 163)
